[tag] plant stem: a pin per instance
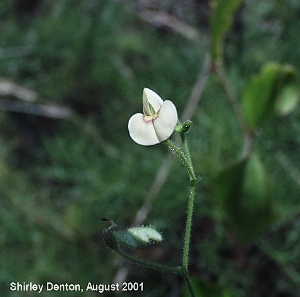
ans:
(189, 218)
(185, 156)
(150, 265)
(189, 283)
(186, 150)
(188, 227)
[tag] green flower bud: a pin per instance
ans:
(185, 127)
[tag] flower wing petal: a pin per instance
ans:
(150, 97)
(141, 131)
(166, 121)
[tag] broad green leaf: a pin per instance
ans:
(260, 94)
(220, 22)
(136, 236)
(243, 192)
(263, 90)
(288, 99)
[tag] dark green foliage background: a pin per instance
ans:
(58, 177)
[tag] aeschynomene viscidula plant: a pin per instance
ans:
(156, 125)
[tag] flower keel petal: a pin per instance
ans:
(150, 97)
(141, 131)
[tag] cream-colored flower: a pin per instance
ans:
(157, 122)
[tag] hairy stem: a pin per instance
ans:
(185, 156)
(188, 228)
(182, 156)
(148, 264)
(189, 283)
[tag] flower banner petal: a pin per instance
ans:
(141, 131)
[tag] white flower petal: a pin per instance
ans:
(141, 131)
(166, 121)
(151, 97)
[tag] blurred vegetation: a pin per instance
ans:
(60, 174)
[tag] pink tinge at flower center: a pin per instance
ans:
(152, 117)
(149, 111)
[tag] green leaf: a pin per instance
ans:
(288, 99)
(260, 95)
(137, 236)
(126, 238)
(242, 190)
(220, 22)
